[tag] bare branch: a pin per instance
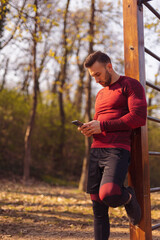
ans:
(13, 32)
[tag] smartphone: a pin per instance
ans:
(77, 123)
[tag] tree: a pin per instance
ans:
(80, 18)
(36, 70)
(62, 78)
(29, 130)
(83, 179)
(3, 16)
(4, 75)
(3, 11)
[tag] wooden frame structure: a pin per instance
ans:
(139, 176)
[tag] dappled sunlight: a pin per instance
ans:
(41, 211)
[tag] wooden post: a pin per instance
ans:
(139, 176)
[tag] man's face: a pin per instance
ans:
(100, 73)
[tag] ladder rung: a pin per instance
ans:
(156, 189)
(154, 153)
(153, 119)
(155, 226)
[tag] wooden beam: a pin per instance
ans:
(139, 176)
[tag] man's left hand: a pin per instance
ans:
(90, 128)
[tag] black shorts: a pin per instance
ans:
(107, 165)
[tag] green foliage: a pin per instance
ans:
(58, 181)
(14, 116)
(3, 12)
(14, 112)
(46, 163)
(154, 145)
(46, 139)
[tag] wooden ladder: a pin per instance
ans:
(139, 176)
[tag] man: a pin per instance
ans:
(120, 107)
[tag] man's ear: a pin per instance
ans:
(109, 66)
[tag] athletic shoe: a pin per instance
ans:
(133, 209)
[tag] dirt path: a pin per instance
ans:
(40, 211)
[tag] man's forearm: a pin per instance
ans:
(127, 122)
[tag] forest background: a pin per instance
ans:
(44, 86)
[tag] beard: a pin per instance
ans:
(108, 79)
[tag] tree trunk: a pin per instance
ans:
(84, 174)
(29, 130)
(4, 76)
(80, 87)
(62, 78)
(25, 83)
(79, 90)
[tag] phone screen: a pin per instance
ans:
(77, 123)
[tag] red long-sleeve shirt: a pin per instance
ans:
(120, 108)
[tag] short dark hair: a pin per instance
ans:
(96, 56)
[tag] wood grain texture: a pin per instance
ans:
(139, 176)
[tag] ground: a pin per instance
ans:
(40, 211)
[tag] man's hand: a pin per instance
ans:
(90, 128)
